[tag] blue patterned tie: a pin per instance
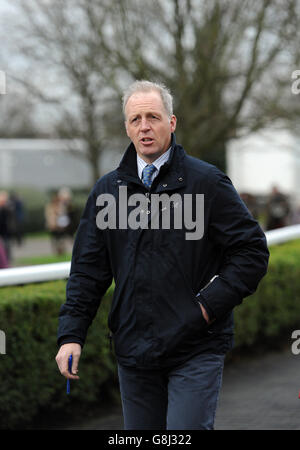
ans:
(147, 175)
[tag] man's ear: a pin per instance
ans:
(173, 122)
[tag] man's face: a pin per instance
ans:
(148, 125)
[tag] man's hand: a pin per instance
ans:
(62, 360)
(205, 315)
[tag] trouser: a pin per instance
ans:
(181, 398)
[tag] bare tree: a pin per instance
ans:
(63, 67)
(16, 113)
(228, 62)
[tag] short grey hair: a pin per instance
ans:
(148, 86)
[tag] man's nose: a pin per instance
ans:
(145, 124)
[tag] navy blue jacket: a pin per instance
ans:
(155, 317)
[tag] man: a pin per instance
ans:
(6, 227)
(278, 210)
(171, 315)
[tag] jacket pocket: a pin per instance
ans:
(198, 321)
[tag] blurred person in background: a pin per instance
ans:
(3, 258)
(6, 224)
(54, 225)
(19, 216)
(295, 215)
(277, 209)
(251, 203)
(59, 219)
(67, 211)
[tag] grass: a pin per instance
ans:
(38, 235)
(45, 259)
(288, 251)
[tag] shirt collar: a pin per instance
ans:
(162, 159)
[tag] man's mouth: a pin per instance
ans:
(146, 140)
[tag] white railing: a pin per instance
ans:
(60, 271)
(34, 274)
(281, 235)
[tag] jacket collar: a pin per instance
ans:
(171, 174)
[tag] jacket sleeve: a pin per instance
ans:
(90, 277)
(245, 253)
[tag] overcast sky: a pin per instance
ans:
(6, 9)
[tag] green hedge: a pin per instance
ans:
(30, 381)
(274, 310)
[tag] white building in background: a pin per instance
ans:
(47, 164)
(258, 162)
(254, 163)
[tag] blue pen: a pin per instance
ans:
(70, 370)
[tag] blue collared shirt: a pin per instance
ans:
(141, 164)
